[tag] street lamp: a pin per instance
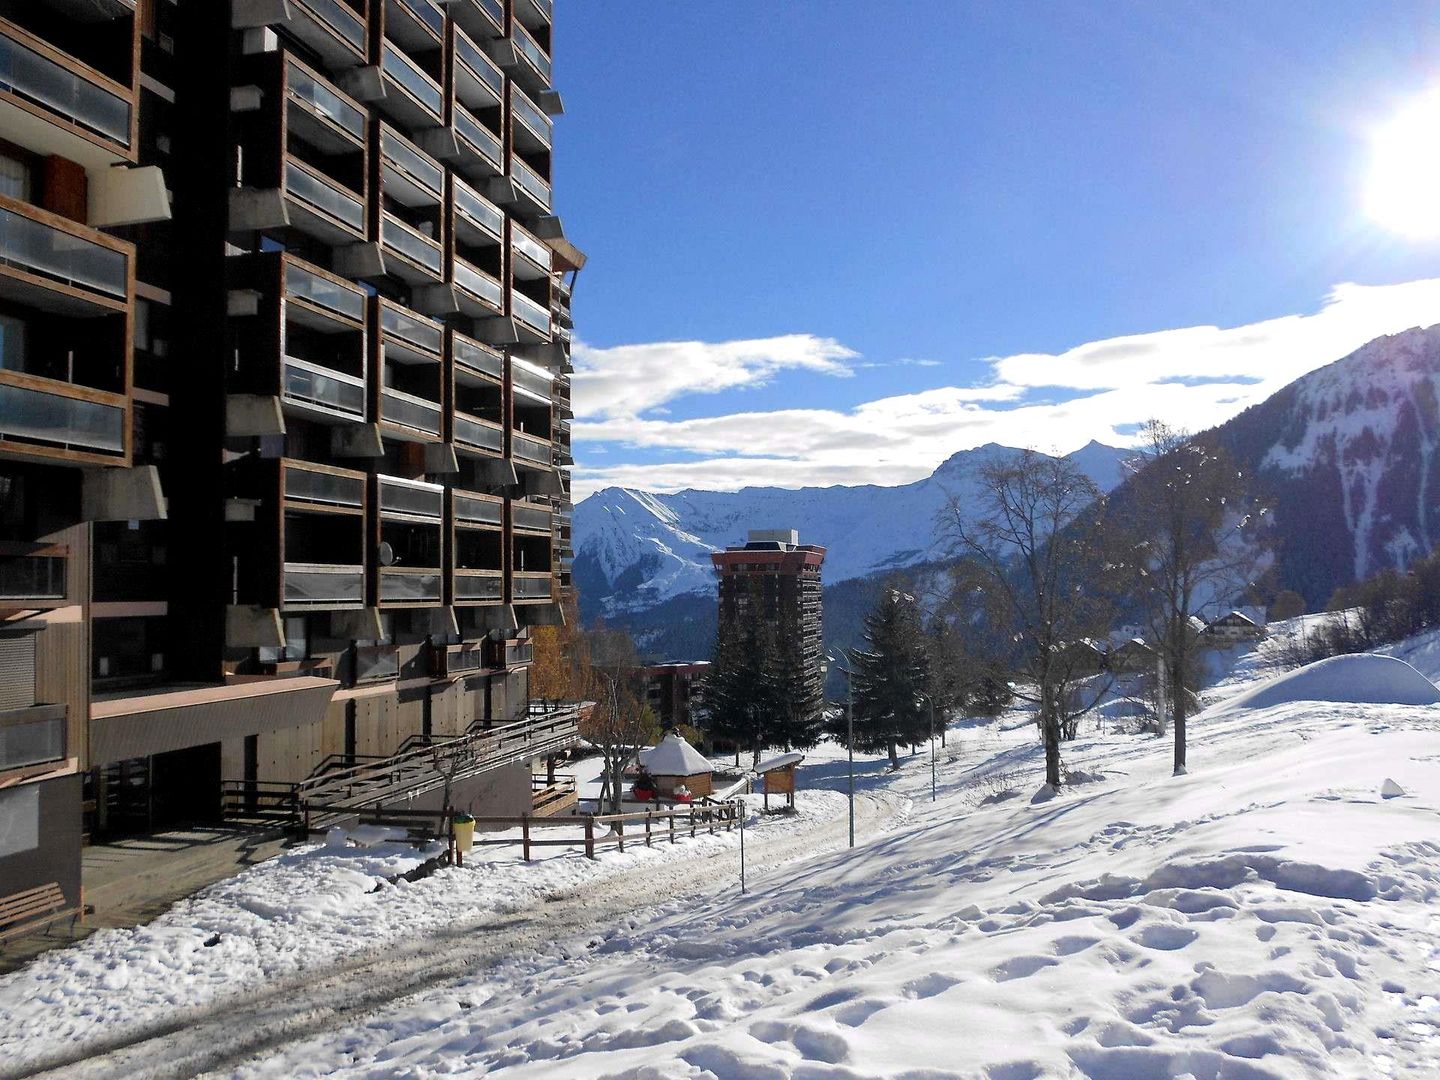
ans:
(849, 734)
(930, 702)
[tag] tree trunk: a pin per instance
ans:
(1050, 728)
(1177, 707)
(894, 758)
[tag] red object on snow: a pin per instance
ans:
(643, 794)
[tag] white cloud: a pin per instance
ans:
(1194, 376)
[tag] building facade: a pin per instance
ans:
(772, 581)
(673, 691)
(284, 399)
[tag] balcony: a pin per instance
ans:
(531, 586)
(478, 436)
(528, 192)
(408, 411)
(50, 103)
(478, 221)
(410, 255)
(52, 264)
(320, 207)
(32, 573)
(322, 393)
(482, 363)
(530, 259)
(321, 115)
(532, 319)
(479, 83)
(531, 129)
(418, 25)
(528, 450)
(412, 177)
(452, 661)
(530, 518)
(480, 511)
(375, 663)
(412, 97)
(331, 27)
(480, 152)
(524, 59)
(481, 19)
(322, 585)
(321, 302)
(408, 338)
(411, 499)
(511, 654)
(479, 295)
(55, 419)
(532, 384)
(410, 585)
(479, 586)
(310, 486)
(535, 13)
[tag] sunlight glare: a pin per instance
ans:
(1403, 193)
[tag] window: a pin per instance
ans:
(33, 741)
(12, 342)
(19, 820)
(14, 177)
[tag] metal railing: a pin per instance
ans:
(26, 72)
(56, 253)
(60, 420)
(316, 385)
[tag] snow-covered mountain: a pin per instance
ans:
(1346, 456)
(634, 549)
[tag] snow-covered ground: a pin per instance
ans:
(1270, 915)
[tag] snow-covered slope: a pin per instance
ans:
(634, 549)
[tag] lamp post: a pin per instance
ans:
(849, 735)
(930, 701)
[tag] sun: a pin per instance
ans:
(1403, 192)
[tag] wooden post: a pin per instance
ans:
(590, 836)
(671, 818)
(647, 828)
(620, 832)
(692, 822)
(525, 834)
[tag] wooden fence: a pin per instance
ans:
(649, 827)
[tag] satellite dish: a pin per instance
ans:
(385, 553)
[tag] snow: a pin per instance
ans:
(674, 757)
(779, 762)
(1269, 916)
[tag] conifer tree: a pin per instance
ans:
(799, 699)
(740, 700)
(891, 678)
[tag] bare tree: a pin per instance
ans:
(1193, 547)
(1034, 558)
(620, 723)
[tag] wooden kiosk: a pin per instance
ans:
(675, 763)
(777, 774)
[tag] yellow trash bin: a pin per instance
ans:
(464, 828)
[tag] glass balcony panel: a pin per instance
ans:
(32, 577)
(311, 485)
(324, 292)
(374, 662)
(406, 159)
(427, 13)
(420, 86)
(531, 248)
(527, 378)
(63, 421)
(43, 249)
(530, 115)
(30, 75)
(478, 511)
(530, 49)
(324, 195)
(309, 584)
(481, 65)
(482, 138)
(418, 331)
(524, 448)
(478, 358)
(316, 385)
(326, 102)
(340, 18)
(32, 743)
(411, 497)
(413, 412)
(530, 517)
(474, 433)
(479, 586)
(478, 284)
(529, 312)
(525, 587)
(481, 212)
(416, 246)
(402, 586)
(530, 181)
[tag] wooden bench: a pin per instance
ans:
(33, 908)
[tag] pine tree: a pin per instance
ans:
(799, 698)
(740, 700)
(891, 678)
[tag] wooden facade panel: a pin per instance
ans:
(332, 730)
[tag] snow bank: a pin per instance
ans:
(1364, 678)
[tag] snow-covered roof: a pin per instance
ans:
(779, 762)
(674, 757)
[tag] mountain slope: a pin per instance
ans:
(634, 550)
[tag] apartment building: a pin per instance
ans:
(674, 689)
(773, 581)
(284, 403)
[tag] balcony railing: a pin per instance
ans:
(60, 420)
(421, 89)
(478, 285)
(523, 244)
(477, 511)
(426, 12)
(530, 517)
(481, 140)
(323, 585)
(32, 736)
(531, 586)
(37, 247)
(31, 572)
(475, 433)
(376, 662)
(530, 182)
(531, 53)
(481, 19)
(479, 358)
(412, 498)
(305, 483)
(302, 284)
(412, 244)
(417, 333)
(479, 585)
(311, 384)
(535, 12)
(405, 164)
(479, 212)
(530, 450)
(409, 584)
(398, 407)
(528, 113)
(533, 381)
(453, 660)
(317, 190)
(479, 83)
(323, 101)
(530, 313)
(29, 69)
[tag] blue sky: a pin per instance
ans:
(837, 241)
